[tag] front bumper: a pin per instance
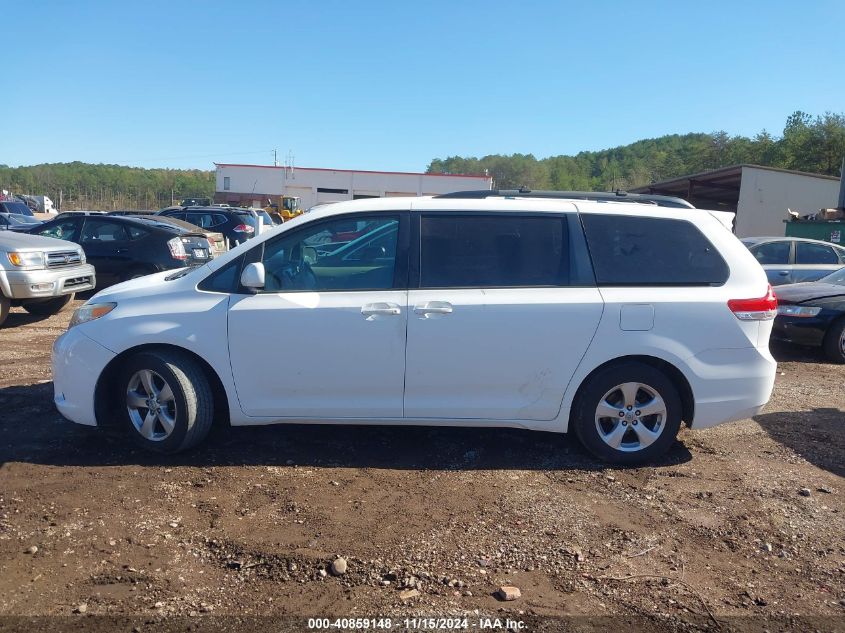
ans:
(78, 362)
(47, 283)
(803, 330)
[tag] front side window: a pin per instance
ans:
(772, 253)
(340, 254)
(67, 230)
(809, 253)
(638, 251)
(493, 251)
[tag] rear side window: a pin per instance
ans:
(772, 253)
(636, 251)
(493, 251)
(809, 253)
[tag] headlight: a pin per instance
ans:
(798, 311)
(28, 260)
(90, 312)
(82, 259)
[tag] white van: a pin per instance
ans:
(615, 320)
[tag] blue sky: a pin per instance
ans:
(391, 85)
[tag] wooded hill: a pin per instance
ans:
(812, 144)
(808, 143)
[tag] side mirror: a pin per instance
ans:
(253, 276)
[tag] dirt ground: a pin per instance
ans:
(738, 524)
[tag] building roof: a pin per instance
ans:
(357, 171)
(716, 189)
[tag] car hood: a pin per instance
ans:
(799, 293)
(146, 285)
(14, 240)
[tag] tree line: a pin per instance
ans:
(808, 143)
(107, 187)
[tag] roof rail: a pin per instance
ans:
(595, 196)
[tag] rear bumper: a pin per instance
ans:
(730, 384)
(78, 362)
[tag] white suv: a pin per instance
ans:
(613, 319)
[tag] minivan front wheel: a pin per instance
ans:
(167, 400)
(628, 413)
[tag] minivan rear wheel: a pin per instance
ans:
(628, 413)
(167, 401)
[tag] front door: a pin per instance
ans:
(106, 246)
(504, 313)
(325, 338)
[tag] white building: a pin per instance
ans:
(760, 196)
(255, 184)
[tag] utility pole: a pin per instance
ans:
(275, 159)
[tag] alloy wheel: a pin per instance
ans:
(630, 417)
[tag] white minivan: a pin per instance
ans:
(617, 320)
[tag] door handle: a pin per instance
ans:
(783, 273)
(381, 309)
(122, 250)
(433, 307)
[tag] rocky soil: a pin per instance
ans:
(741, 527)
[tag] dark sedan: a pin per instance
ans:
(122, 248)
(813, 313)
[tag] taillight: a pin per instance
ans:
(760, 309)
(244, 228)
(177, 249)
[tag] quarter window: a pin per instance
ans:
(493, 251)
(637, 251)
(343, 254)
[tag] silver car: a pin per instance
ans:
(790, 260)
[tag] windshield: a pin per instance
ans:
(18, 208)
(837, 278)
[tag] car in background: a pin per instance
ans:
(123, 248)
(813, 314)
(40, 274)
(236, 225)
(216, 240)
(16, 207)
(18, 223)
(789, 260)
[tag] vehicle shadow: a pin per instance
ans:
(34, 432)
(19, 318)
(790, 353)
(815, 435)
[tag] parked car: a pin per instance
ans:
(614, 321)
(19, 223)
(789, 260)
(40, 273)
(217, 241)
(123, 248)
(16, 207)
(236, 225)
(813, 314)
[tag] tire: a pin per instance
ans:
(5, 304)
(49, 307)
(834, 342)
(178, 422)
(622, 436)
